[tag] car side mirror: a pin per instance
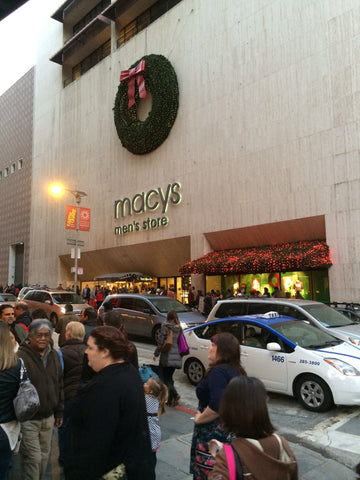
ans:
(48, 302)
(273, 347)
(148, 311)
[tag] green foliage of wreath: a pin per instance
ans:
(160, 80)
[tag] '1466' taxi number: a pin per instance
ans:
(278, 358)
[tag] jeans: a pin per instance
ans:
(5, 454)
(35, 447)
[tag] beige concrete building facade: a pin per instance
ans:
(16, 120)
(264, 149)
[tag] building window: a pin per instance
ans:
(13, 168)
(20, 163)
(91, 60)
(143, 20)
(1, 174)
(6, 172)
(91, 15)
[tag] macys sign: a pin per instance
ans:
(149, 201)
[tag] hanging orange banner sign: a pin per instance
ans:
(84, 220)
(70, 217)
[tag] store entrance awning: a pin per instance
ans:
(157, 259)
(285, 257)
(124, 276)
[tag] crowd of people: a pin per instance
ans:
(205, 303)
(86, 376)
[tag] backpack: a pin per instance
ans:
(168, 342)
(234, 463)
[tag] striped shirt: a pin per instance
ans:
(152, 407)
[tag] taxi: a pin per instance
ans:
(289, 356)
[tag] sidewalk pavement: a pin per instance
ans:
(173, 455)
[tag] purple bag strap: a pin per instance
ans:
(230, 461)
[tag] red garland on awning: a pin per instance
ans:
(285, 257)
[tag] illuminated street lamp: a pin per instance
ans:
(58, 190)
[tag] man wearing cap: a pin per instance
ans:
(68, 317)
(44, 370)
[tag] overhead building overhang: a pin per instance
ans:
(272, 247)
(127, 9)
(60, 12)
(84, 42)
(7, 7)
(284, 257)
(157, 259)
(72, 11)
(308, 228)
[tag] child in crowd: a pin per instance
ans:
(156, 394)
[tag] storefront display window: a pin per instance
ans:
(213, 282)
(167, 282)
(296, 284)
(230, 285)
(312, 285)
(180, 285)
(257, 282)
(321, 286)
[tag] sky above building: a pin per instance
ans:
(17, 45)
(18, 39)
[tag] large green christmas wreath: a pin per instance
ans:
(160, 80)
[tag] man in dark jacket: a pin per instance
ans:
(69, 316)
(7, 315)
(73, 352)
(89, 319)
(208, 304)
(44, 370)
(22, 315)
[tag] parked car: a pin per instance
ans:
(144, 314)
(23, 292)
(290, 356)
(318, 314)
(8, 298)
(53, 302)
(352, 314)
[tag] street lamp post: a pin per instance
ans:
(58, 190)
(78, 195)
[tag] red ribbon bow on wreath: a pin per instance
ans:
(131, 76)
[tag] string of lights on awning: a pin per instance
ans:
(285, 257)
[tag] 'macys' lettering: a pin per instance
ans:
(149, 201)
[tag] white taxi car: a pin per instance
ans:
(290, 356)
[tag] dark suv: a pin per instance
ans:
(144, 314)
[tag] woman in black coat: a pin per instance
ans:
(108, 425)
